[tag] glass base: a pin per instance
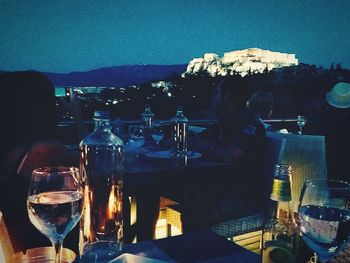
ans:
(101, 251)
(42, 254)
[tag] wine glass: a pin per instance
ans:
(135, 131)
(324, 216)
(134, 146)
(55, 203)
(301, 121)
(157, 133)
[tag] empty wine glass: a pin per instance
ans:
(134, 146)
(135, 131)
(157, 133)
(324, 216)
(301, 121)
(55, 203)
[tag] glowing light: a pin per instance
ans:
(86, 216)
(111, 204)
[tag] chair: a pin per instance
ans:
(6, 249)
(307, 155)
(275, 148)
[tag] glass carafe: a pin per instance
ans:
(101, 165)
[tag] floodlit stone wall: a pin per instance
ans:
(254, 60)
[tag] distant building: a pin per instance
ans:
(165, 85)
(254, 60)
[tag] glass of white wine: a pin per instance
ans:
(324, 216)
(55, 203)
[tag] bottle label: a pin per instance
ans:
(281, 190)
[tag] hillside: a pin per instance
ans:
(119, 76)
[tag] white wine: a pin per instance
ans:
(55, 213)
(324, 228)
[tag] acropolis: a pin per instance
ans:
(253, 60)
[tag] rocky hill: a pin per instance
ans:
(243, 62)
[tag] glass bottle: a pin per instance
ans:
(147, 117)
(101, 166)
(281, 192)
(278, 238)
(179, 134)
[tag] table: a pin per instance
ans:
(147, 179)
(197, 246)
(163, 176)
(150, 179)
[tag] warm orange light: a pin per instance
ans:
(119, 197)
(86, 215)
(111, 204)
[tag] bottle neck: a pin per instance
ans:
(179, 117)
(102, 125)
(283, 210)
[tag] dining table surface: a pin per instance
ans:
(148, 179)
(164, 174)
(196, 246)
(155, 176)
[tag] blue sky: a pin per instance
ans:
(66, 35)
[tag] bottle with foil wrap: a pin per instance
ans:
(101, 166)
(278, 237)
(281, 193)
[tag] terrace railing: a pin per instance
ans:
(68, 134)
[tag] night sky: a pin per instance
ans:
(66, 35)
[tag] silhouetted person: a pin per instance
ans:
(29, 123)
(239, 130)
(334, 123)
(238, 138)
(260, 104)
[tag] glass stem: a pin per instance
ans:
(58, 244)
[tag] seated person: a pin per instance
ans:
(238, 137)
(239, 132)
(333, 122)
(261, 105)
(29, 141)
